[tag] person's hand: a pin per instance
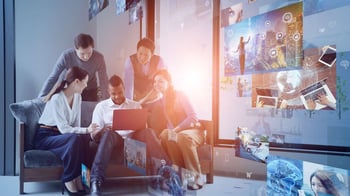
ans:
(172, 135)
(260, 104)
(284, 104)
(323, 99)
(95, 131)
(93, 127)
(311, 104)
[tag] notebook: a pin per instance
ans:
(313, 90)
(268, 96)
(129, 119)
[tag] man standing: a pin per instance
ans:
(109, 140)
(140, 69)
(86, 57)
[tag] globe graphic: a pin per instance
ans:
(282, 177)
(288, 81)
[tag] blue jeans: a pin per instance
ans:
(112, 143)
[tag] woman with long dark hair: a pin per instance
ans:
(182, 135)
(324, 183)
(59, 128)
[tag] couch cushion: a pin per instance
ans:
(41, 158)
(28, 112)
(87, 108)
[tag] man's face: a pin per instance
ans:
(117, 94)
(143, 55)
(84, 54)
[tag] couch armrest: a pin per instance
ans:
(207, 159)
(21, 140)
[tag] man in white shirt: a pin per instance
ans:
(111, 141)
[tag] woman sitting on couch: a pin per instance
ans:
(59, 128)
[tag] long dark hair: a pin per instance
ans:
(170, 93)
(325, 179)
(72, 74)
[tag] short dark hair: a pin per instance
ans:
(83, 40)
(147, 43)
(115, 81)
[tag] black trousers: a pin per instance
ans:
(71, 148)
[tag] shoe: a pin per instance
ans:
(194, 187)
(71, 193)
(95, 188)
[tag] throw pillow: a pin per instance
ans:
(28, 112)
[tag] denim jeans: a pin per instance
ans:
(112, 143)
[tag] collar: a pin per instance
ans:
(110, 103)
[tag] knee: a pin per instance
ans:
(164, 135)
(185, 140)
(73, 138)
(111, 137)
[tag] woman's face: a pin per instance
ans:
(81, 84)
(317, 186)
(160, 84)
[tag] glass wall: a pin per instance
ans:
(284, 72)
(184, 40)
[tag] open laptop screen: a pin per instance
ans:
(129, 119)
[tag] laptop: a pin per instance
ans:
(313, 90)
(129, 119)
(268, 96)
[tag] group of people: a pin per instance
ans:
(147, 83)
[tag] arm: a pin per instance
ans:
(161, 64)
(97, 115)
(151, 97)
(129, 79)
(248, 40)
(103, 79)
(53, 77)
(191, 116)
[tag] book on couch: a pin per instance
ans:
(135, 155)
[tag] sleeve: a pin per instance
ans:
(332, 105)
(77, 119)
(59, 114)
(161, 64)
(97, 116)
(129, 79)
(103, 78)
(191, 116)
(53, 77)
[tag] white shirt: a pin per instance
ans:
(57, 112)
(103, 112)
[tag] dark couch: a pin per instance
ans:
(40, 165)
